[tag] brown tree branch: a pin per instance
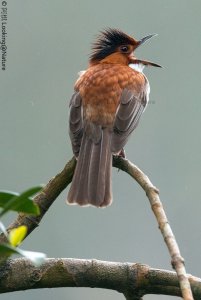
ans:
(56, 185)
(153, 195)
(132, 280)
(45, 199)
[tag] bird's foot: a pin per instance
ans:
(122, 153)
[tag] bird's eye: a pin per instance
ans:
(124, 49)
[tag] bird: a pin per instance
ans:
(108, 101)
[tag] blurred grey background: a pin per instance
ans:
(48, 43)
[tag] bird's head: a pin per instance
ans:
(114, 46)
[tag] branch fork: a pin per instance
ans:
(57, 184)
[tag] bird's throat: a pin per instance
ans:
(137, 67)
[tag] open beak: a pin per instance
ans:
(146, 38)
(145, 62)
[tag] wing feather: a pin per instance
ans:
(76, 122)
(129, 112)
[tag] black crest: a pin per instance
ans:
(108, 41)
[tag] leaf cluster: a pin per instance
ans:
(21, 203)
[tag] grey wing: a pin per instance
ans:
(76, 122)
(129, 112)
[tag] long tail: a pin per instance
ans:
(91, 183)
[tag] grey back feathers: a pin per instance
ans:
(129, 112)
(76, 123)
(94, 145)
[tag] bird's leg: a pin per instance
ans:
(122, 153)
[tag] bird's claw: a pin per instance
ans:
(122, 153)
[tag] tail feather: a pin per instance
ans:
(78, 190)
(91, 183)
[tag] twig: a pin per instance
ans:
(45, 199)
(60, 182)
(132, 280)
(153, 195)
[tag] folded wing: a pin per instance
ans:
(129, 112)
(76, 122)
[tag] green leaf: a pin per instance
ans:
(6, 196)
(30, 192)
(19, 202)
(17, 235)
(6, 249)
(37, 258)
